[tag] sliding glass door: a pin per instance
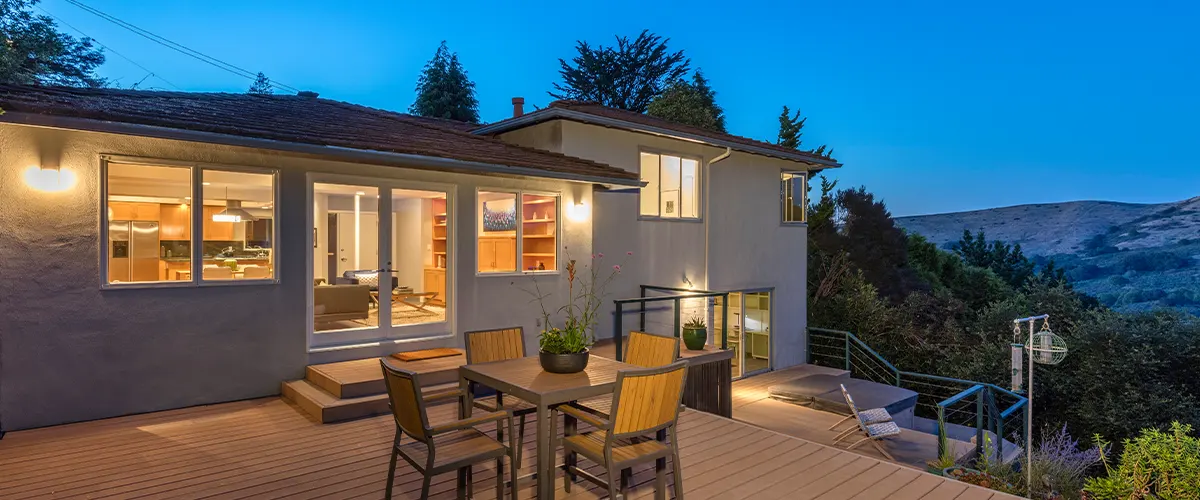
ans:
(380, 260)
(749, 333)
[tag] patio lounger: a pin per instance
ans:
(872, 433)
(871, 416)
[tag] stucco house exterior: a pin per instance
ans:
(165, 249)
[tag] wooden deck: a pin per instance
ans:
(265, 448)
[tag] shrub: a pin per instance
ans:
(1059, 466)
(1156, 464)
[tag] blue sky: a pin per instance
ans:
(935, 106)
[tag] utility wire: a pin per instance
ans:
(110, 49)
(178, 47)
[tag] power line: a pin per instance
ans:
(110, 49)
(179, 47)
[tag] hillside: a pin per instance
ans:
(1130, 256)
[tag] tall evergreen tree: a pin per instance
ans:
(691, 103)
(791, 128)
(444, 91)
(261, 85)
(35, 52)
(627, 76)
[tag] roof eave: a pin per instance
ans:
(542, 115)
(337, 152)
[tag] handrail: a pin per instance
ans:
(962, 395)
(680, 295)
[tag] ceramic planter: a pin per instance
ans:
(564, 363)
(695, 338)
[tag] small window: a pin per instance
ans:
(794, 197)
(517, 232)
(237, 232)
(672, 189)
(148, 223)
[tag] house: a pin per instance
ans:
(165, 249)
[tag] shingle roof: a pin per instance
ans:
(753, 146)
(300, 120)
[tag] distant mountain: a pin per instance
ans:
(1130, 256)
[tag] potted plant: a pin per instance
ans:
(695, 334)
(564, 350)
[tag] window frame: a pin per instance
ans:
(700, 186)
(196, 172)
(783, 205)
(520, 232)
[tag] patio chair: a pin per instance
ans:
(646, 401)
(485, 346)
(872, 432)
(446, 447)
(871, 416)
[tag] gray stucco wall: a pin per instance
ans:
(70, 351)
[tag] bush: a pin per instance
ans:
(1154, 261)
(1059, 466)
(1156, 464)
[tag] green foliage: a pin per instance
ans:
(261, 86)
(444, 90)
(1007, 261)
(628, 76)
(34, 52)
(791, 128)
(693, 103)
(571, 339)
(1156, 464)
(695, 322)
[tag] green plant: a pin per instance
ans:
(572, 339)
(585, 297)
(695, 323)
(1156, 464)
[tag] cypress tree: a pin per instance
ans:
(444, 91)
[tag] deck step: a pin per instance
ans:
(327, 408)
(364, 377)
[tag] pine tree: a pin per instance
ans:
(791, 128)
(34, 52)
(627, 76)
(444, 90)
(261, 86)
(693, 103)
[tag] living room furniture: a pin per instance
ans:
(341, 303)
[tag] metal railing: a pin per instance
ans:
(676, 297)
(951, 401)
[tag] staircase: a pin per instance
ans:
(335, 392)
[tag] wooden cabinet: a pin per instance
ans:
(175, 222)
(497, 254)
(124, 210)
(435, 281)
(216, 231)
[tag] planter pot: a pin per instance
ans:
(695, 338)
(564, 363)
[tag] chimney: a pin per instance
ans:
(307, 94)
(518, 106)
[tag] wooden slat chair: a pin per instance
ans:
(486, 346)
(869, 416)
(446, 447)
(646, 401)
(872, 432)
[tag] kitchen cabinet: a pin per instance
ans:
(435, 281)
(497, 254)
(126, 210)
(175, 222)
(216, 231)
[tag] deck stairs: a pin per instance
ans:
(347, 390)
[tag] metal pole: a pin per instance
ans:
(1029, 419)
(678, 332)
(725, 322)
(617, 331)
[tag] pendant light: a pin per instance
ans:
(233, 211)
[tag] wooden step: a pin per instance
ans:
(364, 377)
(327, 408)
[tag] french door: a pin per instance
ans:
(380, 259)
(749, 334)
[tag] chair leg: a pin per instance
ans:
(613, 488)
(391, 473)
(844, 434)
(660, 480)
(520, 439)
(570, 428)
(881, 450)
(676, 467)
(470, 481)
(425, 487)
(500, 477)
(513, 464)
(460, 486)
(840, 422)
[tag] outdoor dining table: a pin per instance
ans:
(525, 379)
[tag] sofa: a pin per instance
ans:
(341, 303)
(351, 278)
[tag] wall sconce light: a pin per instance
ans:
(49, 179)
(578, 212)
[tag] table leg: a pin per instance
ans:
(545, 455)
(467, 400)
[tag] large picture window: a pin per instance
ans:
(517, 231)
(151, 230)
(672, 189)
(794, 197)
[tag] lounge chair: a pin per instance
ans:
(872, 432)
(871, 416)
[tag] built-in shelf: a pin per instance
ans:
(440, 224)
(528, 221)
(539, 202)
(439, 253)
(540, 236)
(439, 238)
(527, 254)
(443, 214)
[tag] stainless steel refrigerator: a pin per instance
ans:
(133, 251)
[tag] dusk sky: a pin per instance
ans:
(936, 107)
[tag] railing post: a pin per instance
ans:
(678, 325)
(642, 312)
(725, 322)
(941, 431)
(617, 331)
(979, 400)
(846, 336)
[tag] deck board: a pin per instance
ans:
(267, 448)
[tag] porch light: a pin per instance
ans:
(50, 180)
(577, 212)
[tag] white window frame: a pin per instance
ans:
(700, 179)
(197, 223)
(783, 198)
(520, 243)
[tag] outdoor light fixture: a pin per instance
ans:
(49, 179)
(577, 212)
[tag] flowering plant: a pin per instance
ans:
(585, 296)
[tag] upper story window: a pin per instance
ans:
(794, 197)
(672, 189)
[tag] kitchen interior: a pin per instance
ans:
(150, 233)
(348, 288)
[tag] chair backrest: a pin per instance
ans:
(404, 398)
(256, 272)
(648, 399)
(649, 350)
(853, 407)
(485, 346)
(218, 273)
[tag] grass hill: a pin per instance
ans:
(1131, 256)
